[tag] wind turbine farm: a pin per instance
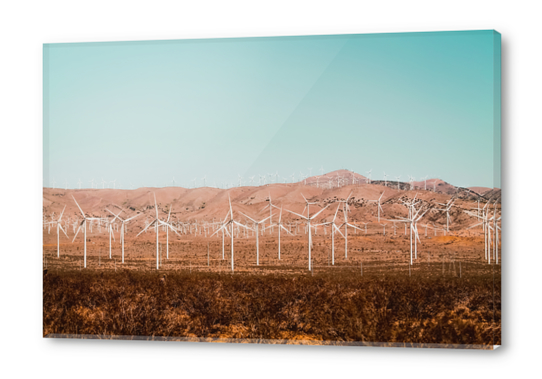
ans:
(301, 241)
(314, 190)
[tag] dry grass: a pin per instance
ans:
(330, 306)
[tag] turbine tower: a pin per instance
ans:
(84, 222)
(334, 229)
(257, 235)
(309, 219)
(157, 223)
(122, 228)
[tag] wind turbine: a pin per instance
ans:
(79, 182)
(385, 179)
(412, 221)
(111, 233)
(122, 228)
(334, 229)
(309, 219)
(58, 228)
(224, 226)
(369, 176)
(379, 206)
(270, 205)
(257, 235)
(280, 226)
(411, 181)
(398, 185)
(157, 223)
(84, 222)
(447, 208)
(486, 226)
(346, 224)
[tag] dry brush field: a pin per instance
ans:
(449, 296)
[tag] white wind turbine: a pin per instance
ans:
(412, 221)
(111, 233)
(309, 218)
(122, 228)
(280, 226)
(84, 222)
(221, 224)
(346, 224)
(398, 184)
(169, 226)
(447, 208)
(334, 229)
(385, 179)
(486, 222)
(157, 223)
(79, 182)
(368, 180)
(257, 235)
(425, 182)
(270, 205)
(411, 181)
(225, 225)
(379, 206)
(58, 229)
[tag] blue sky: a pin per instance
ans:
(145, 112)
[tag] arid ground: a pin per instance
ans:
(449, 296)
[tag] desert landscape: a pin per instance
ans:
(335, 258)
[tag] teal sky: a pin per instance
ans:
(145, 112)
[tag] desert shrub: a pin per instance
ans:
(346, 307)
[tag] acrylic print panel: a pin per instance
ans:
(338, 190)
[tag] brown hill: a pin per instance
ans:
(208, 204)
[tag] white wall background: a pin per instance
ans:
(25, 25)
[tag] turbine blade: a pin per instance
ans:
(321, 210)
(297, 214)
(147, 227)
(61, 228)
(83, 213)
(60, 218)
(248, 217)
